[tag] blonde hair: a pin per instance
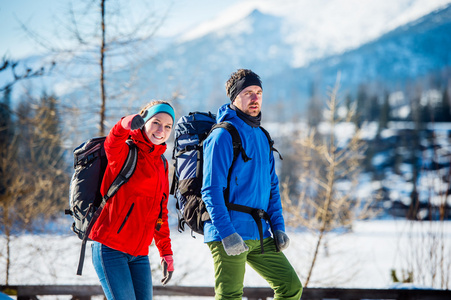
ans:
(152, 103)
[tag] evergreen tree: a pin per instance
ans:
(6, 135)
(374, 109)
(361, 111)
(385, 113)
(446, 107)
(5, 119)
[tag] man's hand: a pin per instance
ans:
(234, 244)
(282, 240)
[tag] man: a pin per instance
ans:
(233, 236)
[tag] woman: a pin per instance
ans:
(137, 213)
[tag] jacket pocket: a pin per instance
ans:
(126, 217)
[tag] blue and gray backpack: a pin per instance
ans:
(190, 132)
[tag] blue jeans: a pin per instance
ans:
(122, 276)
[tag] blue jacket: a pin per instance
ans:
(253, 183)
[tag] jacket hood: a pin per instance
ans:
(143, 143)
(225, 113)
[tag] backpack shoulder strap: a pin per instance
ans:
(271, 142)
(237, 149)
(236, 140)
(165, 163)
(126, 172)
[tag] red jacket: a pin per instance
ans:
(127, 222)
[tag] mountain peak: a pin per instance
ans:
(222, 22)
(256, 14)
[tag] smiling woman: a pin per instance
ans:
(159, 118)
(137, 214)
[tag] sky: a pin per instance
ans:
(319, 24)
(41, 16)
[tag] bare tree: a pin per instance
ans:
(19, 75)
(104, 35)
(424, 254)
(33, 179)
(326, 165)
(102, 69)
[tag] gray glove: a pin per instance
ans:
(234, 244)
(137, 122)
(282, 240)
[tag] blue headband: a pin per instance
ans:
(156, 109)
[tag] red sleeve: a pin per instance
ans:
(116, 151)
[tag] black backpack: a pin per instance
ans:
(190, 132)
(85, 200)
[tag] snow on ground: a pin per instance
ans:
(362, 258)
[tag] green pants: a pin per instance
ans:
(273, 266)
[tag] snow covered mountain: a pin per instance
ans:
(292, 45)
(412, 51)
(316, 29)
(198, 67)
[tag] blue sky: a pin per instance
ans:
(39, 15)
(319, 24)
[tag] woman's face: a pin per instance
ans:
(158, 128)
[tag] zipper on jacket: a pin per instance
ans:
(126, 217)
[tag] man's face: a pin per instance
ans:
(249, 100)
